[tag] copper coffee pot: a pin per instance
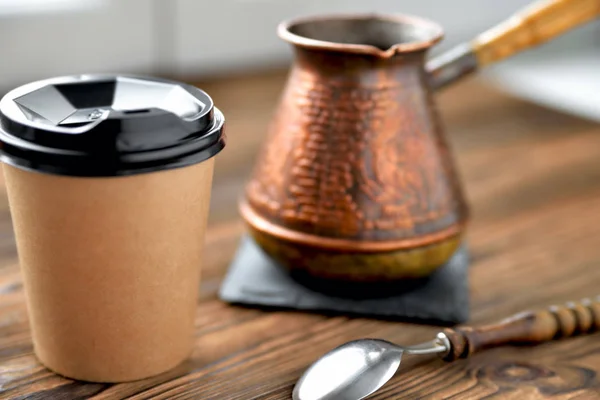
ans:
(356, 181)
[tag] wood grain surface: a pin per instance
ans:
(532, 177)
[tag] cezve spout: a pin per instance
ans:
(528, 28)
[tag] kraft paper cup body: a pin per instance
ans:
(111, 264)
(111, 268)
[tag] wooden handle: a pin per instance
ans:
(532, 26)
(571, 319)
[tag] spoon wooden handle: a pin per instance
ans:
(556, 322)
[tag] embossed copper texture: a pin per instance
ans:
(356, 181)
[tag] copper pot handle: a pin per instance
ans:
(528, 28)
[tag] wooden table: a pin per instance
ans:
(532, 177)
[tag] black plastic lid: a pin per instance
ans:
(108, 125)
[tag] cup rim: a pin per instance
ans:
(285, 33)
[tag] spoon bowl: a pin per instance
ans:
(350, 372)
(356, 369)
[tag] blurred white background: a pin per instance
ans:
(199, 38)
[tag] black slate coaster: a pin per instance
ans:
(255, 280)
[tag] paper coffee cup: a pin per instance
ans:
(109, 180)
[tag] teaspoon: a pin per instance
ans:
(358, 368)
